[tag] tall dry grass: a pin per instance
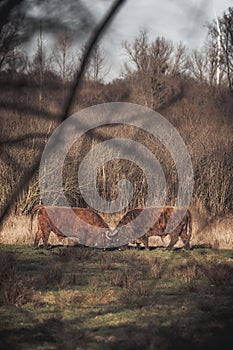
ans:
(17, 230)
(207, 232)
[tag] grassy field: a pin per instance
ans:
(80, 298)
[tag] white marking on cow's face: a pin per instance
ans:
(111, 234)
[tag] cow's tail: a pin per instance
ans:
(189, 226)
(34, 210)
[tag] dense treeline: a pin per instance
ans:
(193, 90)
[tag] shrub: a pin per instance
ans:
(135, 294)
(218, 274)
(79, 254)
(97, 293)
(156, 268)
(188, 270)
(7, 266)
(16, 293)
(53, 275)
(13, 289)
(105, 262)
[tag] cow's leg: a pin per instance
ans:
(185, 238)
(61, 238)
(39, 235)
(145, 240)
(174, 239)
(138, 242)
(162, 236)
(45, 238)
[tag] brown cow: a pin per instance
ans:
(183, 229)
(64, 218)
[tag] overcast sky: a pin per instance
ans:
(178, 20)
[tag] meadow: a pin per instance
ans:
(84, 298)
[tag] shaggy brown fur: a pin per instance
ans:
(64, 217)
(183, 230)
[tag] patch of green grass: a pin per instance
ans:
(92, 299)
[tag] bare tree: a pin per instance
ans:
(97, 68)
(9, 41)
(40, 63)
(137, 65)
(64, 59)
(178, 63)
(203, 66)
(222, 29)
(198, 65)
(151, 64)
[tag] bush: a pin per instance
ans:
(53, 275)
(16, 292)
(156, 268)
(7, 266)
(218, 274)
(13, 289)
(105, 262)
(78, 254)
(135, 294)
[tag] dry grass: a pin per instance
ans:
(125, 278)
(53, 275)
(188, 270)
(17, 230)
(217, 232)
(210, 232)
(60, 298)
(189, 273)
(79, 255)
(192, 272)
(135, 294)
(218, 274)
(105, 262)
(156, 268)
(14, 290)
(96, 293)
(7, 266)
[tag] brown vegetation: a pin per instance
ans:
(14, 290)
